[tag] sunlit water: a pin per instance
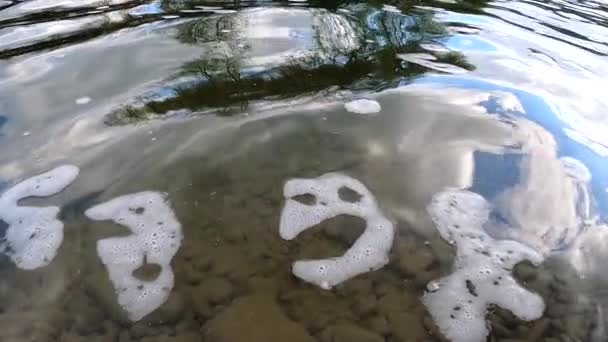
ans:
(213, 106)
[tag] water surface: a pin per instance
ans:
(219, 103)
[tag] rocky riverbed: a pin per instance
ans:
(232, 273)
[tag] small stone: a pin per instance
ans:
(187, 325)
(191, 275)
(215, 290)
(506, 317)
(71, 337)
(525, 271)
(111, 330)
(344, 229)
(396, 301)
(538, 329)
(556, 310)
(574, 325)
(234, 234)
(254, 319)
(264, 285)
(379, 324)
(99, 287)
(124, 336)
(412, 261)
(522, 330)
(358, 286)
(189, 337)
(423, 278)
(406, 326)
(500, 330)
(351, 333)
(140, 330)
(86, 315)
(432, 328)
(566, 338)
(169, 312)
(36, 325)
(551, 339)
(364, 305)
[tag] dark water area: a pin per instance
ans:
(333, 171)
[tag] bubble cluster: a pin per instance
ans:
(156, 237)
(482, 275)
(363, 106)
(34, 234)
(336, 194)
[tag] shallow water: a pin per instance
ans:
(218, 104)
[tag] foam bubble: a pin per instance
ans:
(369, 252)
(156, 238)
(363, 106)
(34, 234)
(83, 100)
(482, 276)
(508, 101)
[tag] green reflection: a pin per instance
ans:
(273, 54)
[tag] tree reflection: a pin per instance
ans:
(279, 53)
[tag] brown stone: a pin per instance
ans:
(379, 324)
(254, 319)
(350, 333)
(406, 327)
(215, 290)
(36, 325)
(169, 312)
(538, 330)
(364, 305)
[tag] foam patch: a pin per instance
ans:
(482, 276)
(156, 237)
(368, 253)
(363, 106)
(34, 234)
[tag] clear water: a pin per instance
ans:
(219, 103)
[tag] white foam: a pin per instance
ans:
(369, 252)
(83, 100)
(156, 238)
(508, 101)
(363, 106)
(34, 234)
(482, 276)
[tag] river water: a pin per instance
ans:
(228, 127)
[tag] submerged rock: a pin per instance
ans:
(100, 289)
(214, 290)
(187, 337)
(255, 318)
(35, 325)
(349, 333)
